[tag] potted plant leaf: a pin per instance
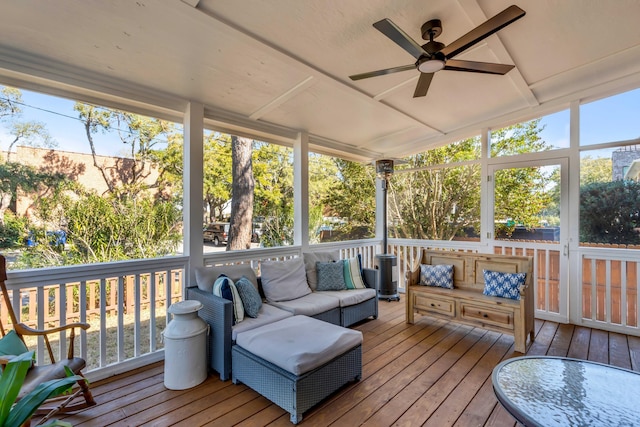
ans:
(12, 377)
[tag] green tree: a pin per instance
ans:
(595, 170)
(273, 201)
(140, 137)
(16, 177)
(610, 212)
(10, 101)
(31, 133)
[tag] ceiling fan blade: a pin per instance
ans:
(382, 72)
(482, 31)
(478, 67)
(402, 39)
(423, 84)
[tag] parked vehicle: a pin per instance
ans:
(216, 232)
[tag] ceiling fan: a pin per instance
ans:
(434, 56)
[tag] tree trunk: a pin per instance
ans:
(240, 227)
(5, 202)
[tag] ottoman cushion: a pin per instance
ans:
(299, 344)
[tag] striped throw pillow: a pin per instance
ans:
(353, 273)
(224, 287)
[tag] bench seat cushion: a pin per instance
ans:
(267, 314)
(309, 305)
(351, 297)
(299, 344)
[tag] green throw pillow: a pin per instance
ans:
(12, 345)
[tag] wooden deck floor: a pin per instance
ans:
(432, 373)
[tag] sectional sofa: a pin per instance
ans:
(309, 285)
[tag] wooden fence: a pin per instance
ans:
(54, 312)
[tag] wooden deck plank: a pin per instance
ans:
(634, 352)
(433, 372)
(543, 339)
(382, 384)
(456, 402)
(579, 347)
(619, 354)
(599, 346)
(428, 402)
(561, 341)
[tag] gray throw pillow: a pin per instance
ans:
(250, 297)
(330, 276)
(284, 280)
(310, 260)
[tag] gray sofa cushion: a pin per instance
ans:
(309, 305)
(310, 260)
(299, 344)
(352, 296)
(206, 276)
(267, 314)
(284, 280)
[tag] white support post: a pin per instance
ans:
(486, 202)
(574, 296)
(192, 187)
(301, 191)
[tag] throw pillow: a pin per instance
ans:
(310, 259)
(206, 276)
(224, 287)
(353, 273)
(440, 275)
(506, 285)
(330, 276)
(12, 345)
(250, 297)
(284, 280)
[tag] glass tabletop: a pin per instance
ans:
(553, 391)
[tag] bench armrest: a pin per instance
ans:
(370, 277)
(218, 313)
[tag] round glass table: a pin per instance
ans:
(553, 391)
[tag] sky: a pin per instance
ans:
(610, 119)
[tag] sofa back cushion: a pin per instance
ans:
(310, 260)
(284, 280)
(206, 276)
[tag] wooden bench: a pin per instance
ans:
(466, 303)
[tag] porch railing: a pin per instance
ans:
(126, 301)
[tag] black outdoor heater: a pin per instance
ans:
(386, 264)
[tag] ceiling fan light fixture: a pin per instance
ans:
(430, 65)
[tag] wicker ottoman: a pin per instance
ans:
(297, 362)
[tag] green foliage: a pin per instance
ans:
(11, 380)
(520, 138)
(10, 100)
(610, 212)
(595, 170)
(273, 192)
(353, 195)
(434, 203)
(14, 231)
(106, 228)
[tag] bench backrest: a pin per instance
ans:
(468, 267)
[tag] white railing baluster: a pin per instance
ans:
(152, 311)
(121, 306)
(103, 323)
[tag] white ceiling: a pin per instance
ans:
(271, 69)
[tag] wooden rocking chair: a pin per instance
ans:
(55, 370)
